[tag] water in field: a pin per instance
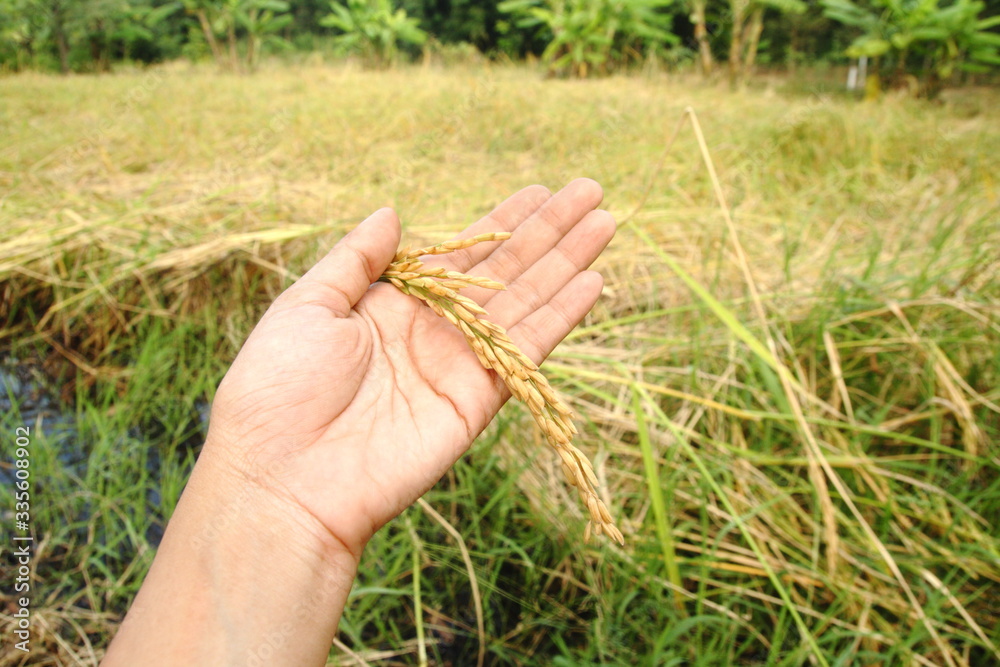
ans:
(28, 398)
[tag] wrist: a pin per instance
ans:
(279, 468)
(243, 576)
(247, 504)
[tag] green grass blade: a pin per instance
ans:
(663, 531)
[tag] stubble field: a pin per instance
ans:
(796, 424)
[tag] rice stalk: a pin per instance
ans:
(438, 288)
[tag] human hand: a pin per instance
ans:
(349, 401)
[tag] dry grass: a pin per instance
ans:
(869, 231)
(438, 288)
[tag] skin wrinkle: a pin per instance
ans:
(338, 542)
(309, 299)
(465, 421)
(289, 318)
(248, 410)
(522, 295)
(391, 369)
(497, 266)
(366, 268)
(368, 435)
(249, 502)
(344, 325)
(503, 258)
(558, 306)
(371, 271)
(237, 425)
(532, 326)
(470, 431)
(412, 354)
(553, 217)
(534, 196)
(459, 259)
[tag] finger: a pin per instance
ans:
(504, 218)
(540, 283)
(341, 278)
(539, 333)
(541, 232)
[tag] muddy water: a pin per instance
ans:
(28, 398)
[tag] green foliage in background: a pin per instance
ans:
(930, 37)
(373, 29)
(263, 21)
(941, 41)
(746, 26)
(256, 23)
(65, 35)
(597, 35)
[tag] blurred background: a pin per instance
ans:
(788, 387)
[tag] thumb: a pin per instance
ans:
(341, 278)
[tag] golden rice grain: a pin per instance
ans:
(494, 349)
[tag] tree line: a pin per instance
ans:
(934, 41)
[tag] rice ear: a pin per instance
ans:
(495, 350)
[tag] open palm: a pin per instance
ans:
(351, 400)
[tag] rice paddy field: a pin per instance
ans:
(791, 398)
